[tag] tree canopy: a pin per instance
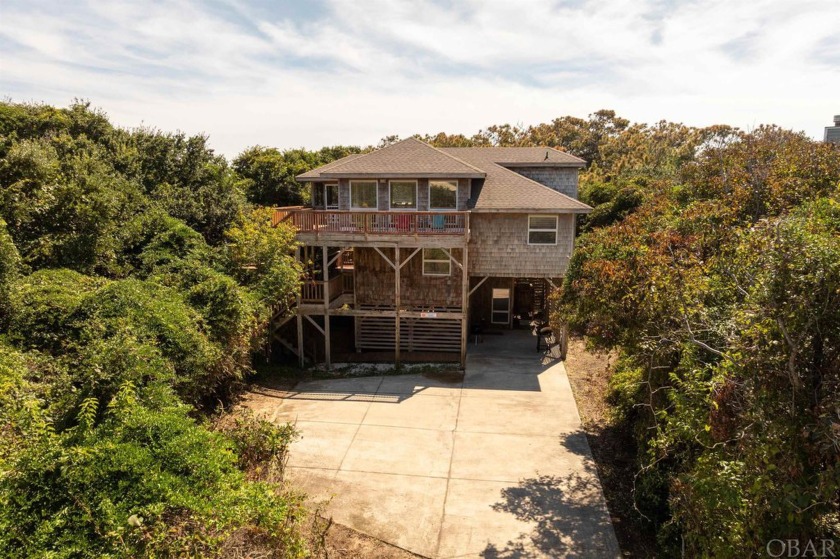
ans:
(721, 289)
(125, 317)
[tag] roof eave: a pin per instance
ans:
(391, 174)
(585, 210)
(573, 164)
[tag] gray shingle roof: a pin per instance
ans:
(519, 156)
(500, 189)
(504, 189)
(316, 173)
(407, 158)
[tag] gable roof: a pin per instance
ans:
(504, 189)
(316, 173)
(407, 158)
(498, 189)
(519, 156)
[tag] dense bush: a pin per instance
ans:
(9, 270)
(123, 317)
(144, 479)
(261, 445)
(261, 256)
(722, 291)
(43, 303)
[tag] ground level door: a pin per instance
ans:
(500, 307)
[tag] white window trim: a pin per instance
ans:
(436, 260)
(555, 230)
(358, 209)
(457, 188)
(416, 196)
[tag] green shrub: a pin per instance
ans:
(174, 243)
(261, 256)
(42, 304)
(9, 270)
(141, 482)
(159, 316)
(262, 446)
(626, 386)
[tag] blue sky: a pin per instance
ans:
(324, 72)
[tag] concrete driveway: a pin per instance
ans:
(493, 464)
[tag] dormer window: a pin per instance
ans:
(363, 195)
(403, 195)
(443, 195)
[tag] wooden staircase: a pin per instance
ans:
(538, 289)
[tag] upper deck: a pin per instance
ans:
(445, 228)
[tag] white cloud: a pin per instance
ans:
(353, 72)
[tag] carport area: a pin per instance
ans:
(491, 464)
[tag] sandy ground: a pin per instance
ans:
(613, 447)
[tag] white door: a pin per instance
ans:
(500, 308)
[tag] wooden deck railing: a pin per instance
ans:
(313, 291)
(374, 222)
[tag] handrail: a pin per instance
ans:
(312, 291)
(282, 214)
(374, 222)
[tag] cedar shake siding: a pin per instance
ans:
(343, 194)
(375, 280)
(499, 247)
(464, 193)
(563, 180)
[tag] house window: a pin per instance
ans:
(331, 195)
(436, 262)
(542, 229)
(443, 195)
(363, 195)
(317, 195)
(325, 195)
(403, 195)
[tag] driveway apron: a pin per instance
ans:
(494, 464)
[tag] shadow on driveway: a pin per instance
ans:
(505, 362)
(567, 512)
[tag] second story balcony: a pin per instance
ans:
(325, 225)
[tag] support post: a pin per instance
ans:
(326, 307)
(465, 303)
(511, 301)
(357, 326)
(299, 318)
(397, 305)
